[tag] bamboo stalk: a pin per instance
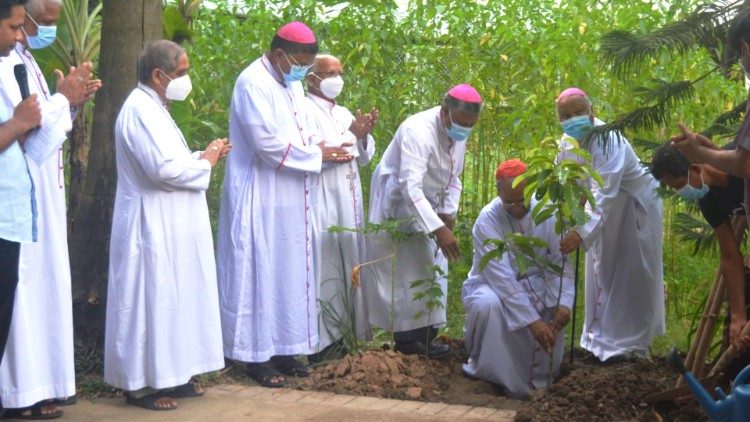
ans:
(695, 360)
(699, 333)
(705, 341)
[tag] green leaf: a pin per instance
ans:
(493, 254)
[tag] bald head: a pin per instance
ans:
(324, 62)
(326, 66)
(36, 7)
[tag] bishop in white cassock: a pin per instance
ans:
(340, 306)
(623, 240)
(267, 224)
(418, 183)
(163, 322)
(38, 363)
(514, 321)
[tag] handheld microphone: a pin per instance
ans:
(22, 79)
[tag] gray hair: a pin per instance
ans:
(453, 104)
(159, 54)
(36, 7)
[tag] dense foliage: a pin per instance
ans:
(519, 54)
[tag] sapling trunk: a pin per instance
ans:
(393, 296)
(557, 305)
(575, 302)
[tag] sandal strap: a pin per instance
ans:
(264, 372)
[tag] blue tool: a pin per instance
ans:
(732, 408)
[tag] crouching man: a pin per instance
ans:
(514, 322)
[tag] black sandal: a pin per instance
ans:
(35, 412)
(147, 402)
(67, 401)
(290, 366)
(264, 372)
(184, 391)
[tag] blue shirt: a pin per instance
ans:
(17, 201)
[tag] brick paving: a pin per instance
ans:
(244, 403)
(390, 408)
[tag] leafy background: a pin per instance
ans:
(402, 57)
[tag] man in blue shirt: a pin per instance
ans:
(17, 207)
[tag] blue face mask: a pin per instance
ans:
(577, 127)
(692, 194)
(296, 72)
(45, 36)
(457, 132)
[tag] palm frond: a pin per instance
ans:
(627, 51)
(697, 231)
(646, 144)
(727, 123)
(659, 99)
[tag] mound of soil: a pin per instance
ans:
(592, 391)
(587, 390)
(387, 374)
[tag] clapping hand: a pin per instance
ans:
(216, 150)
(361, 125)
(78, 87)
(336, 155)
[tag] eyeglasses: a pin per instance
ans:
(508, 204)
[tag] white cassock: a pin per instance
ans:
(267, 227)
(417, 178)
(38, 362)
(339, 203)
(163, 322)
(623, 243)
(500, 303)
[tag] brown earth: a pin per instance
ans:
(387, 374)
(588, 390)
(591, 391)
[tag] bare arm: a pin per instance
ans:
(699, 149)
(734, 275)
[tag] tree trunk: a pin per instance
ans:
(80, 144)
(126, 27)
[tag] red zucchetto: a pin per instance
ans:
(509, 169)
(571, 92)
(297, 32)
(465, 93)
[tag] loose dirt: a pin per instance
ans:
(587, 390)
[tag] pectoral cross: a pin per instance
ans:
(352, 176)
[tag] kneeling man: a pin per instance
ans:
(514, 321)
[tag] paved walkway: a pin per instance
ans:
(238, 402)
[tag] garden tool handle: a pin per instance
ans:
(729, 355)
(674, 359)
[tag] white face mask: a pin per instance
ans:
(178, 88)
(331, 87)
